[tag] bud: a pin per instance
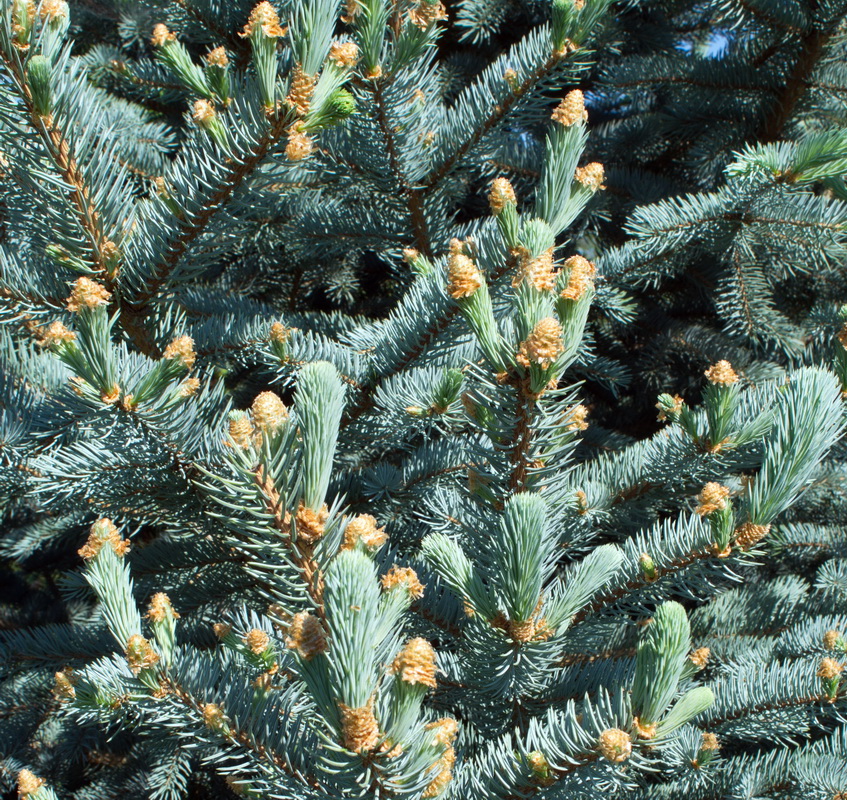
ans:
(648, 568)
(363, 529)
(710, 743)
(464, 277)
(721, 373)
(241, 429)
(299, 146)
(217, 57)
(63, 688)
(669, 407)
(279, 333)
(269, 412)
(502, 193)
(28, 783)
(700, 657)
(161, 36)
(140, 654)
(54, 335)
(577, 418)
(426, 12)
(189, 387)
(87, 294)
(310, 523)
(543, 345)
(580, 272)
(829, 668)
(160, 608)
(540, 767)
(222, 629)
(359, 727)
(214, 716)
(712, 498)
(614, 745)
(53, 11)
(39, 80)
(103, 532)
(590, 176)
(537, 271)
(204, 114)
(571, 110)
(23, 15)
(405, 578)
(445, 729)
(415, 663)
(306, 635)
(344, 54)
(445, 773)
(831, 639)
(257, 641)
(263, 21)
(181, 349)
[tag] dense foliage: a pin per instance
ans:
(333, 342)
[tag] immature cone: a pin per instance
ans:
(829, 668)
(538, 271)
(404, 577)
(502, 193)
(302, 88)
(571, 110)
(614, 745)
(364, 528)
(830, 639)
(359, 727)
(721, 373)
(140, 654)
(748, 534)
(700, 657)
(299, 146)
(543, 345)
(181, 349)
(306, 635)
(464, 277)
(87, 293)
(256, 641)
(424, 13)
(712, 498)
(269, 412)
(580, 272)
(590, 176)
(161, 35)
(415, 663)
(103, 532)
(28, 783)
(264, 18)
(344, 54)
(160, 608)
